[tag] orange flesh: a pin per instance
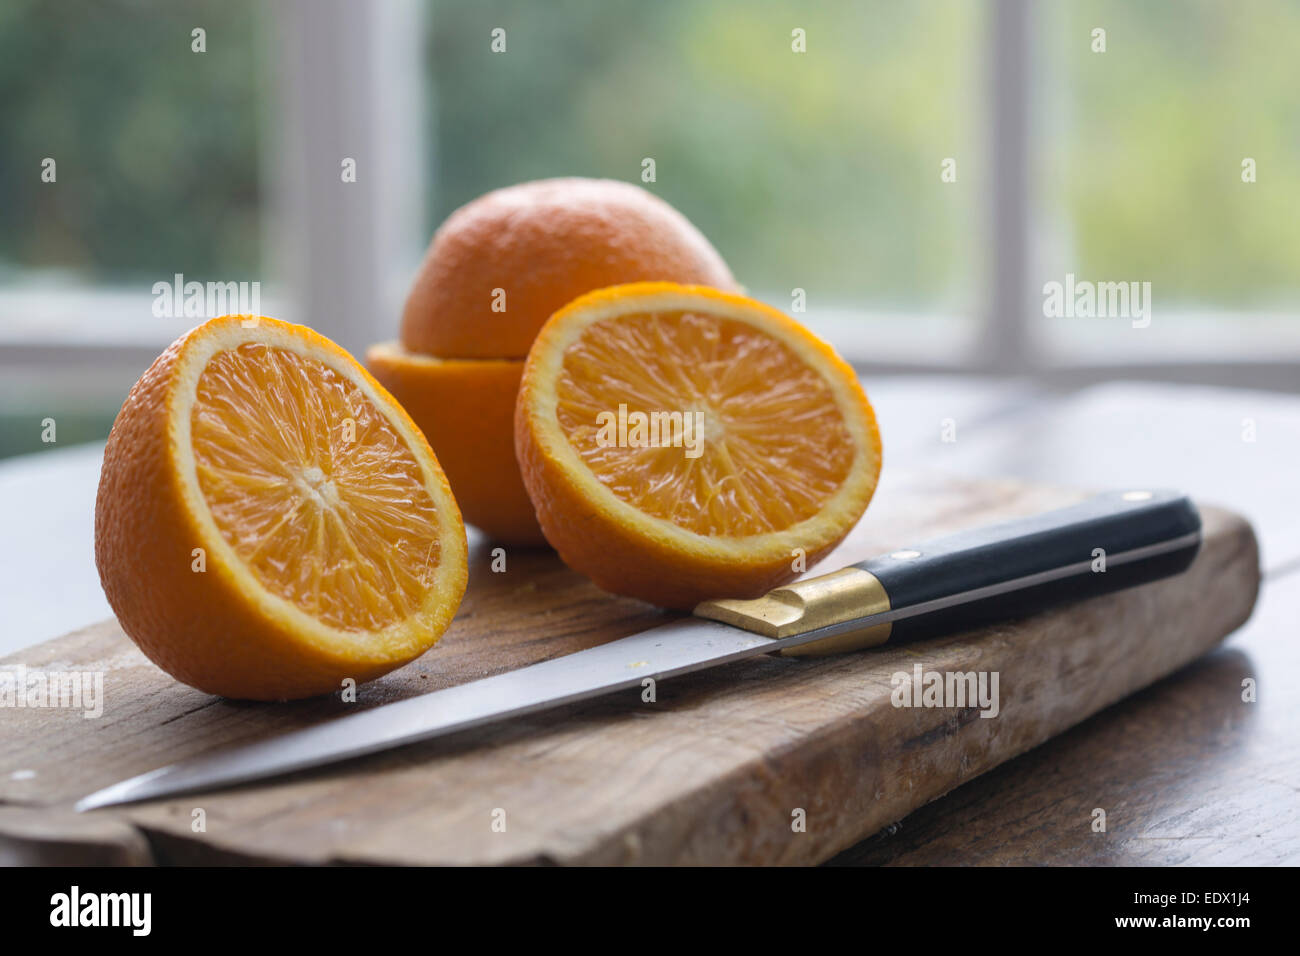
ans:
(774, 447)
(313, 489)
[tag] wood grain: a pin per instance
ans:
(709, 773)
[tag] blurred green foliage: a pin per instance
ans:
(821, 170)
(1143, 145)
(818, 170)
(155, 145)
(20, 432)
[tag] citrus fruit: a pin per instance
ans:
(776, 457)
(500, 265)
(269, 521)
(494, 273)
(466, 408)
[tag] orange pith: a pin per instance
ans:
(332, 514)
(764, 413)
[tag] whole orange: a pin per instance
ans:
(500, 265)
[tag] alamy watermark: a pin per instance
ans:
(947, 689)
(22, 686)
(1098, 300)
(177, 298)
(634, 429)
(133, 911)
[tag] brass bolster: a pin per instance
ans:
(807, 605)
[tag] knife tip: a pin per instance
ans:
(100, 798)
(124, 791)
(91, 802)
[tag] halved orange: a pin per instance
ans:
(788, 461)
(269, 521)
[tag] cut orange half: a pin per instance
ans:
(270, 522)
(681, 443)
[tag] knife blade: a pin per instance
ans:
(1104, 544)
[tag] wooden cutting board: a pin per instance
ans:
(721, 768)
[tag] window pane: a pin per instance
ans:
(126, 157)
(1141, 153)
(818, 170)
(154, 145)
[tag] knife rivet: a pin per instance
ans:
(1136, 495)
(906, 554)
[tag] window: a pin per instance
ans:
(125, 158)
(921, 171)
(155, 148)
(817, 170)
(1167, 153)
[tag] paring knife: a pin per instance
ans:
(946, 584)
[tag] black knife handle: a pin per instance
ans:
(1012, 569)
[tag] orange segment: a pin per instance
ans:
(331, 514)
(269, 521)
(755, 446)
(774, 446)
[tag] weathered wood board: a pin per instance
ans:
(714, 771)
